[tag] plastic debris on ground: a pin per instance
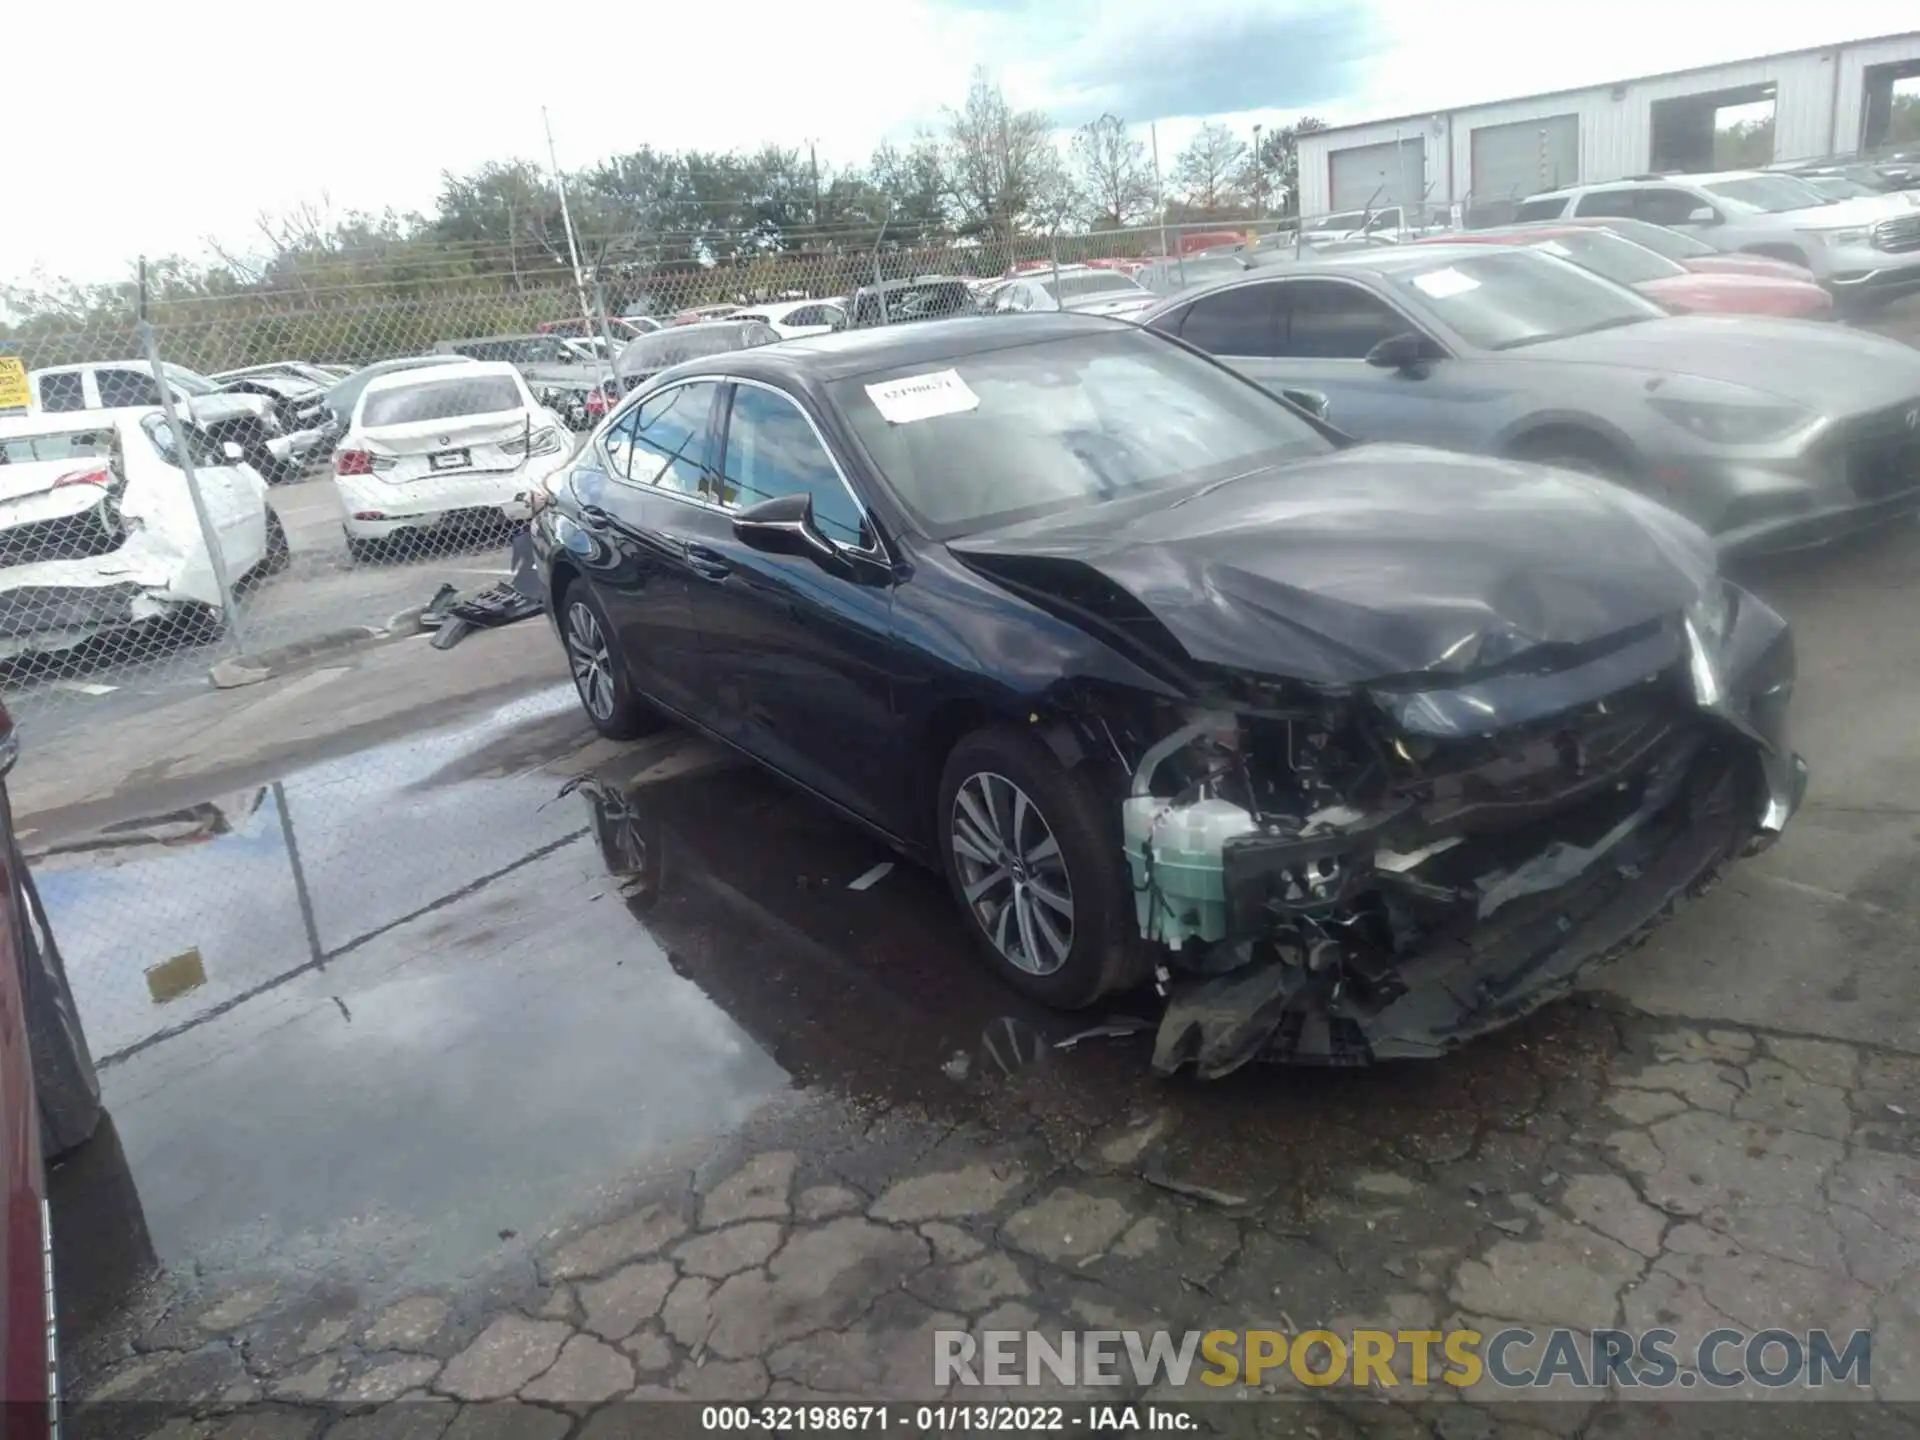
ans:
(451, 614)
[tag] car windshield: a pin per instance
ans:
(1839, 187)
(688, 342)
(1503, 300)
(1607, 254)
(1659, 239)
(445, 399)
(1095, 282)
(1766, 194)
(1004, 435)
(189, 381)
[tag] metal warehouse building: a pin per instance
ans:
(1830, 101)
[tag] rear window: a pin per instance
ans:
(441, 400)
(67, 445)
(1101, 282)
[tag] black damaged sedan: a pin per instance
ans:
(1353, 751)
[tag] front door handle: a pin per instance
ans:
(708, 564)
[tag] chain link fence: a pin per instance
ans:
(251, 471)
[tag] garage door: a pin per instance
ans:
(1511, 162)
(1388, 174)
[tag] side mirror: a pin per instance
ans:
(784, 526)
(233, 453)
(1407, 351)
(1311, 401)
(1704, 215)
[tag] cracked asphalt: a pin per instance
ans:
(507, 1138)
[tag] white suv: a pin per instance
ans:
(1858, 249)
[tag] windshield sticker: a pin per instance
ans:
(921, 397)
(1442, 283)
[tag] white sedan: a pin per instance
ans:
(98, 532)
(791, 319)
(433, 449)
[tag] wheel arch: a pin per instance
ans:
(1538, 433)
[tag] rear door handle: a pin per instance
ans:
(708, 564)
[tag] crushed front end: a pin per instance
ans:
(1343, 874)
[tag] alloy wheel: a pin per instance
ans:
(592, 664)
(1012, 873)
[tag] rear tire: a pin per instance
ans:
(279, 553)
(615, 709)
(1019, 833)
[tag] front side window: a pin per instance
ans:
(1329, 320)
(1610, 204)
(1239, 321)
(772, 450)
(670, 439)
(1666, 206)
(120, 389)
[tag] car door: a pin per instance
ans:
(234, 494)
(636, 487)
(1314, 333)
(800, 650)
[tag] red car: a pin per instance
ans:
(1666, 282)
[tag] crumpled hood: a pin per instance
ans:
(1836, 369)
(1375, 562)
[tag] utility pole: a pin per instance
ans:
(1259, 178)
(813, 165)
(566, 219)
(1160, 196)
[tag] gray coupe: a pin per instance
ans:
(1771, 434)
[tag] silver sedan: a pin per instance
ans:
(1771, 434)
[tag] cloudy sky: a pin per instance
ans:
(153, 136)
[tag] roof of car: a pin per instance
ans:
(401, 379)
(885, 347)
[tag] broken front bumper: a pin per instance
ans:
(1650, 822)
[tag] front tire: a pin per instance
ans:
(279, 554)
(1032, 853)
(598, 676)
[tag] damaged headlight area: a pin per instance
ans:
(1349, 875)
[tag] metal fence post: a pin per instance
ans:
(183, 454)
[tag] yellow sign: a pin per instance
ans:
(14, 394)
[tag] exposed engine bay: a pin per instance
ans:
(1347, 874)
